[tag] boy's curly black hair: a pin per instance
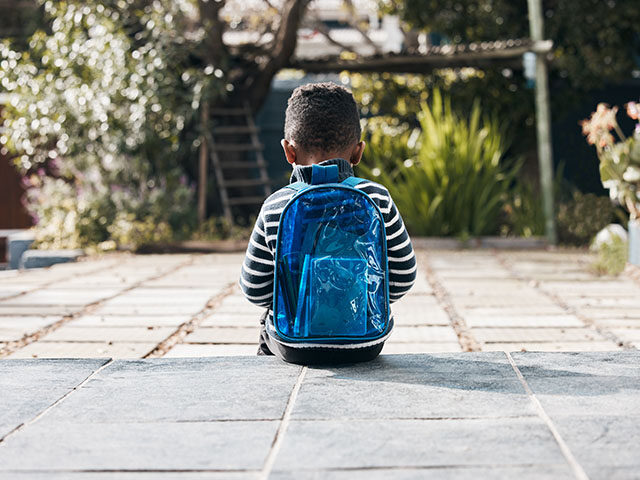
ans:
(322, 117)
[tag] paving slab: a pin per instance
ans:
(584, 383)
(535, 335)
(139, 446)
(419, 317)
(420, 347)
(511, 321)
(240, 388)
(603, 443)
(148, 310)
(60, 296)
(71, 333)
(443, 416)
(108, 321)
(238, 335)
(231, 320)
(183, 350)
(448, 385)
(83, 350)
(30, 387)
(410, 443)
(606, 346)
(529, 472)
(429, 334)
(120, 475)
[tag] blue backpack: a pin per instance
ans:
(331, 275)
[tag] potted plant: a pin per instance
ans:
(619, 164)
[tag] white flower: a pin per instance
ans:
(631, 174)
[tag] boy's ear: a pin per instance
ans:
(356, 155)
(289, 151)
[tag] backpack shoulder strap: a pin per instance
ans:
(353, 181)
(298, 186)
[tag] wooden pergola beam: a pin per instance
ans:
(478, 56)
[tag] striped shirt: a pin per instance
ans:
(257, 275)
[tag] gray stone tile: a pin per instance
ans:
(238, 335)
(28, 387)
(548, 309)
(433, 316)
(413, 443)
(120, 475)
(183, 350)
(512, 335)
(41, 310)
(603, 441)
(584, 384)
(522, 320)
(391, 347)
(138, 446)
(414, 386)
(147, 310)
(72, 333)
(83, 350)
(431, 334)
(183, 390)
(628, 334)
(57, 296)
(524, 346)
(129, 321)
(494, 472)
(27, 323)
(231, 320)
(625, 363)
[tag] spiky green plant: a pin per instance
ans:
(457, 182)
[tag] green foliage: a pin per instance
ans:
(218, 228)
(524, 212)
(611, 256)
(587, 34)
(457, 182)
(579, 219)
(97, 115)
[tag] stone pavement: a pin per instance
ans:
(488, 415)
(126, 306)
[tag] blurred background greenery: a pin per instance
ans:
(103, 100)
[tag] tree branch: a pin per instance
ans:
(257, 86)
(216, 51)
(324, 31)
(353, 21)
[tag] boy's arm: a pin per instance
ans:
(402, 260)
(256, 276)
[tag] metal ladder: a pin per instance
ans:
(247, 128)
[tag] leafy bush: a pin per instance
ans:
(612, 248)
(97, 119)
(579, 219)
(456, 182)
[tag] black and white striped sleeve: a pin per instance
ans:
(256, 276)
(402, 260)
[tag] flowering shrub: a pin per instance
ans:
(619, 159)
(96, 118)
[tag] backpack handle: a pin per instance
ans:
(324, 174)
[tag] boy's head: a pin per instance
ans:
(322, 122)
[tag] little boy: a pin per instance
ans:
(322, 126)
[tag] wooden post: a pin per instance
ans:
(543, 122)
(202, 164)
